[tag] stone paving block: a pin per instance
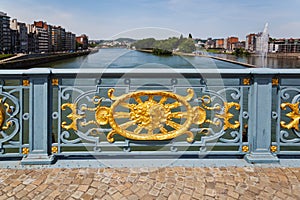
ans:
(117, 196)
(154, 192)
(86, 197)
(185, 196)
(99, 194)
(210, 192)
(77, 194)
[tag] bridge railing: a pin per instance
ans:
(48, 113)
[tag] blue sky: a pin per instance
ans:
(104, 19)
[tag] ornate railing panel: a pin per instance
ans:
(47, 113)
(287, 140)
(14, 115)
(189, 119)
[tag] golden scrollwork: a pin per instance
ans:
(294, 115)
(73, 116)
(227, 115)
(150, 115)
(2, 115)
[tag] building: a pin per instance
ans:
(58, 38)
(32, 39)
(41, 29)
(19, 37)
(82, 42)
(220, 43)
(5, 33)
(284, 45)
(70, 41)
(210, 43)
(251, 42)
(231, 43)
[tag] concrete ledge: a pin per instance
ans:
(137, 163)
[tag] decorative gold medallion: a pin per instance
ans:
(151, 119)
(150, 115)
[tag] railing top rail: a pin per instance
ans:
(141, 72)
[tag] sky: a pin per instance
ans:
(109, 19)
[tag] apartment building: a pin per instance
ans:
(82, 41)
(5, 34)
(70, 41)
(220, 43)
(251, 42)
(231, 43)
(58, 38)
(19, 36)
(41, 29)
(284, 45)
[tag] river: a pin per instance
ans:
(125, 58)
(257, 61)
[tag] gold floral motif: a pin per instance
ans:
(55, 81)
(246, 81)
(25, 150)
(275, 81)
(294, 115)
(245, 149)
(54, 149)
(73, 116)
(26, 83)
(273, 149)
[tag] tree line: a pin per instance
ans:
(185, 45)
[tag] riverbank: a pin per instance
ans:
(216, 58)
(38, 59)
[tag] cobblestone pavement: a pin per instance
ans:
(151, 183)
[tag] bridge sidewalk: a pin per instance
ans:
(151, 183)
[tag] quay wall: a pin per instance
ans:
(29, 62)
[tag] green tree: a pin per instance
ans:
(187, 46)
(144, 43)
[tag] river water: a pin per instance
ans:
(124, 58)
(270, 62)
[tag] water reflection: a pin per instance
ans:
(124, 58)
(271, 62)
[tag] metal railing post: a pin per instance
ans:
(260, 110)
(39, 122)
